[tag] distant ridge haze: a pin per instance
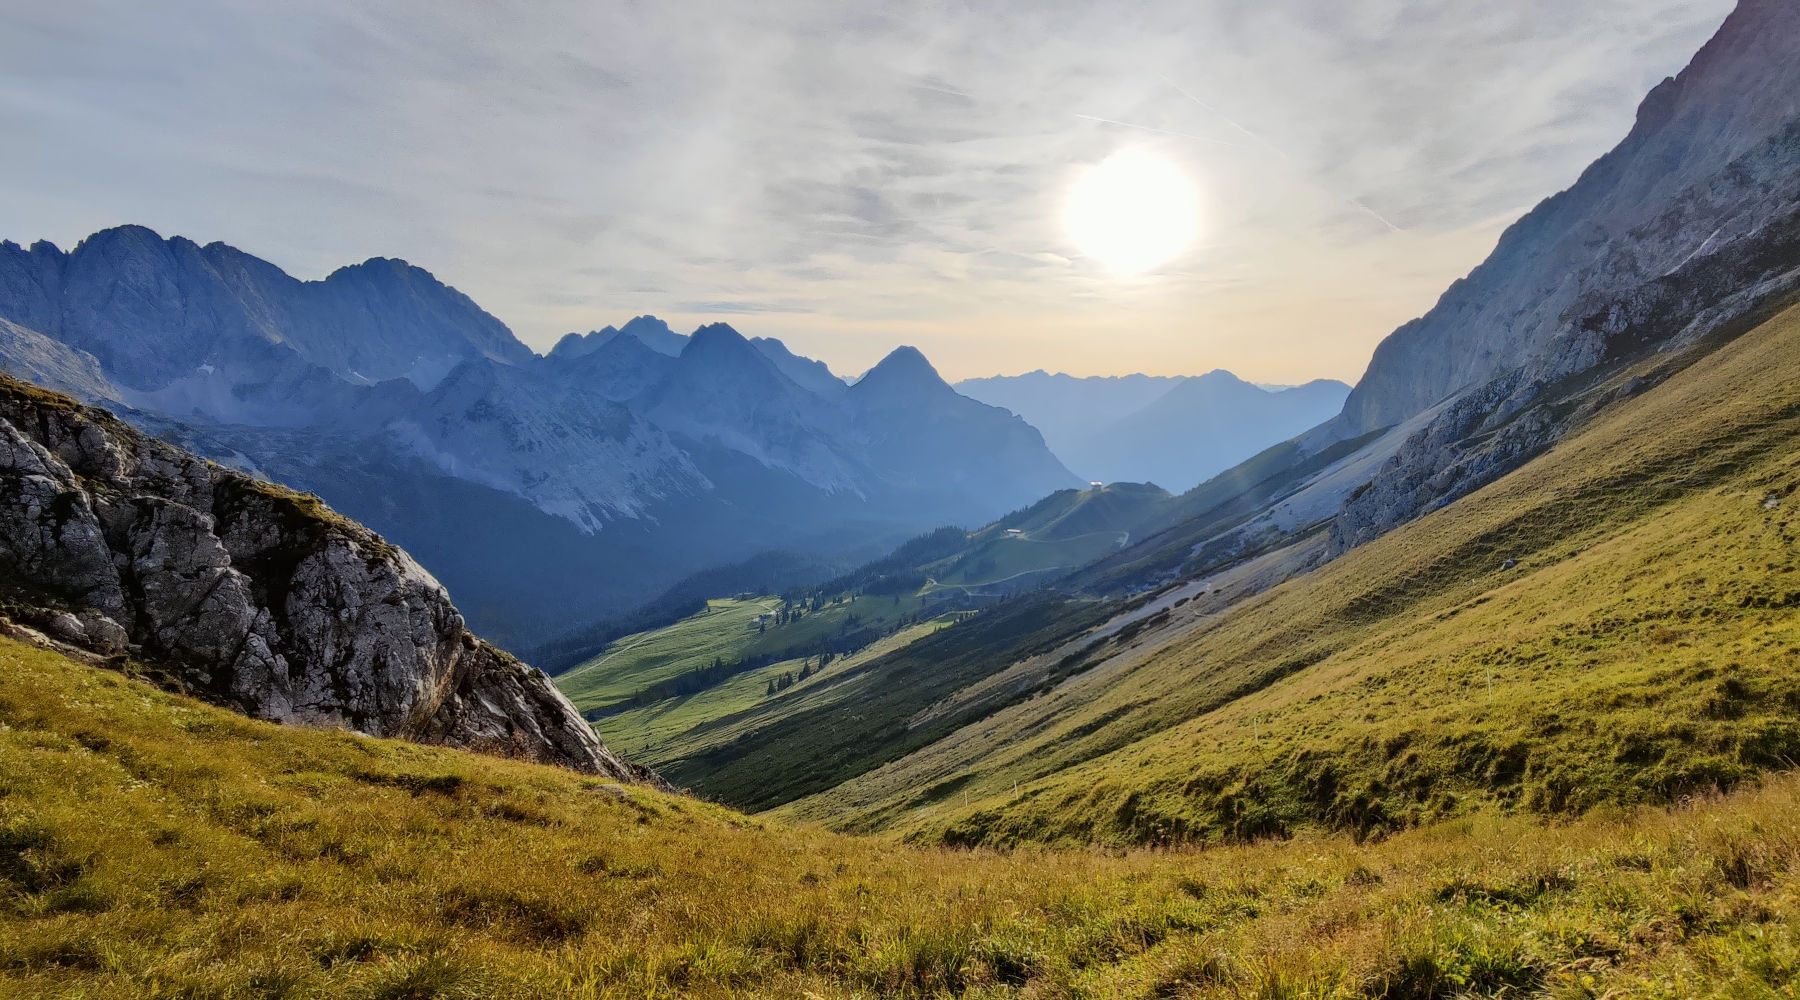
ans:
(1174, 431)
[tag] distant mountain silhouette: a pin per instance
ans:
(1175, 432)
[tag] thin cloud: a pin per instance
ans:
(898, 172)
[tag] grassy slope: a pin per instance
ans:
(1065, 530)
(864, 716)
(636, 661)
(681, 735)
(206, 855)
(726, 630)
(1646, 645)
(667, 732)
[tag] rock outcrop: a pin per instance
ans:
(253, 596)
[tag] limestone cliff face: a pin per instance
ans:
(252, 596)
(1710, 171)
(1690, 227)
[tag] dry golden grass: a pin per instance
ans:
(151, 846)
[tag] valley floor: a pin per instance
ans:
(151, 846)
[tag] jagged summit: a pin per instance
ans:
(647, 330)
(546, 491)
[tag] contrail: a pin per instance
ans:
(1161, 131)
(1292, 165)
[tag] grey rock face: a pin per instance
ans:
(1712, 162)
(1690, 226)
(254, 597)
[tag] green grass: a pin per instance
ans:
(668, 732)
(636, 661)
(727, 630)
(1645, 647)
(152, 846)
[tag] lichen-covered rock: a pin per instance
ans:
(253, 596)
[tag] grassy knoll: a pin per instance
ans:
(151, 846)
(1644, 646)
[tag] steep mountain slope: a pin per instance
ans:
(1709, 168)
(1064, 531)
(1174, 432)
(1691, 226)
(1609, 624)
(814, 376)
(209, 855)
(249, 595)
(1693, 221)
(397, 398)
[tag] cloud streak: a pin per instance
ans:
(854, 177)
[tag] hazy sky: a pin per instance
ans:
(845, 176)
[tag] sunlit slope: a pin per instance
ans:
(151, 846)
(665, 732)
(1645, 645)
(630, 664)
(729, 630)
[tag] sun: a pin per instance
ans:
(1132, 211)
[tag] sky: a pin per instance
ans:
(846, 177)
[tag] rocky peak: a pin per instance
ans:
(903, 374)
(715, 338)
(250, 595)
(647, 331)
(1707, 175)
(717, 355)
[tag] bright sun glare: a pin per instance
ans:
(1132, 211)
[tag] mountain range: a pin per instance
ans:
(545, 491)
(1174, 431)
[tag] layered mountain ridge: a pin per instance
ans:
(1175, 431)
(379, 388)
